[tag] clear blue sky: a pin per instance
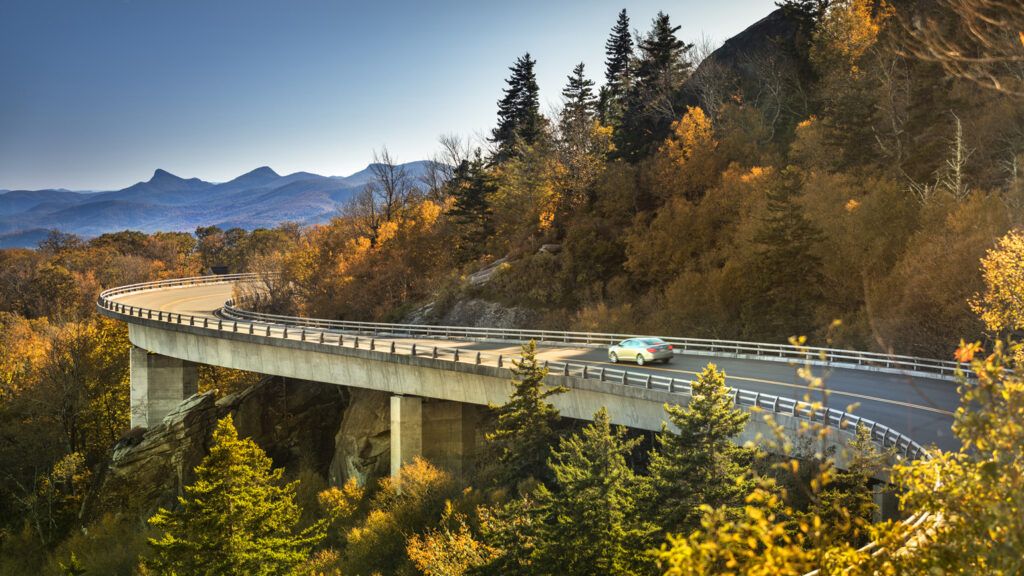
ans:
(96, 94)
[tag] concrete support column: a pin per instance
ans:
(449, 435)
(406, 431)
(887, 501)
(442, 432)
(158, 385)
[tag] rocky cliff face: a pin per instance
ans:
(337, 432)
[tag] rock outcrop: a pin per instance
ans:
(362, 446)
(488, 314)
(294, 421)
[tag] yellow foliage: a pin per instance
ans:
(691, 134)
(23, 347)
(756, 173)
(1001, 307)
(451, 549)
(849, 29)
(341, 504)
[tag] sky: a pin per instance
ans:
(97, 94)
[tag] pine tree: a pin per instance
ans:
(589, 521)
(846, 504)
(579, 103)
(651, 104)
(806, 13)
(471, 187)
(525, 428)
(699, 464)
(236, 518)
(787, 271)
(618, 72)
(519, 119)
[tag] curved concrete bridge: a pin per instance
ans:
(440, 376)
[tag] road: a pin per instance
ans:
(921, 408)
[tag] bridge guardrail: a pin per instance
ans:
(347, 334)
(889, 363)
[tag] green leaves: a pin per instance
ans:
(525, 426)
(236, 518)
(699, 464)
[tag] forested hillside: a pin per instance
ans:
(809, 171)
(845, 170)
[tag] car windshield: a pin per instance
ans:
(651, 341)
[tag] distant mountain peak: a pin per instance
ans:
(161, 174)
(263, 171)
(259, 177)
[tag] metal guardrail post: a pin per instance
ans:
(285, 332)
(455, 356)
(234, 326)
(624, 380)
(355, 342)
(302, 335)
(392, 347)
(373, 343)
(413, 349)
(499, 360)
(647, 383)
(671, 384)
(565, 369)
(478, 357)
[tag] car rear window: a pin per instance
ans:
(650, 341)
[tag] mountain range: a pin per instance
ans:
(260, 198)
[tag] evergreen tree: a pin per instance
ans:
(519, 119)
(236, 518)
(589, 521)
(579, 103)
(846, 504)
(806, 14)
(787, 271)
(700, 464)
(471, 187)
(525, 428)
(582, 145)
(651, 103)
(618, 72)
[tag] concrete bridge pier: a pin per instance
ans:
(158, 384)
(441, 432)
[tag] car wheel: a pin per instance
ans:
(639, 359)
(668, 360)
(613, 357)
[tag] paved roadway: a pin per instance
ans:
(921, 408)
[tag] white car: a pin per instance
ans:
(641, 351)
